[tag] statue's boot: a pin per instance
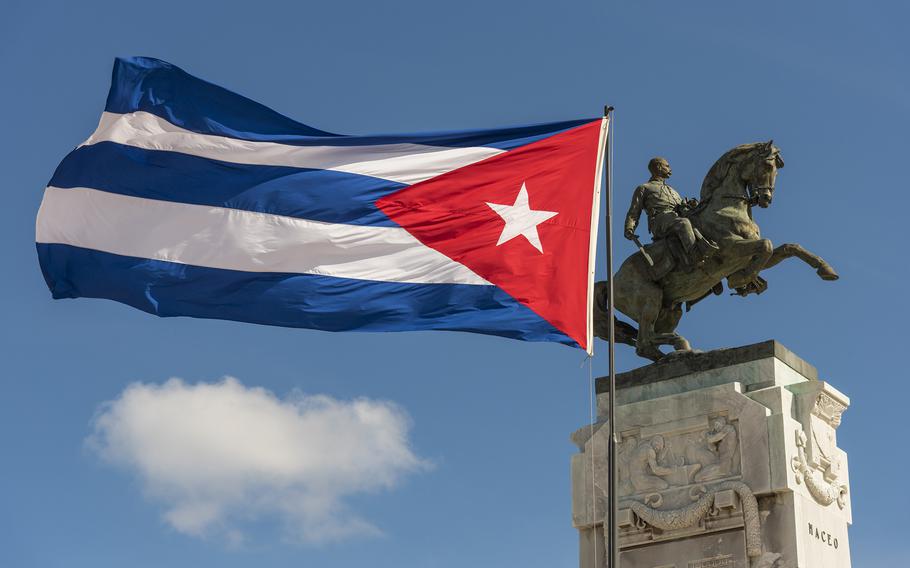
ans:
(686, 260)
(704, 248)
(717, 289)
(756, 286)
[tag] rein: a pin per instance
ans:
(750, 198)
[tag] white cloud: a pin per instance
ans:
(221, 455)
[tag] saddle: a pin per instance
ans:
(669, 255)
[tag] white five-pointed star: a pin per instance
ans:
(521, 219)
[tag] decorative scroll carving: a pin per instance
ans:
(690, 515)
(828, 409)
(823, 491)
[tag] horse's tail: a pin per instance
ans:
(625, 332)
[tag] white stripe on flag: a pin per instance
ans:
(218, 237)
(403, 163)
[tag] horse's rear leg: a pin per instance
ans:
(789, 250)
(649, 299)
(665, 329)
(678, 342)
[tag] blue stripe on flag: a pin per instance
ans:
(318, 195)
(294, 300)
(151, 85)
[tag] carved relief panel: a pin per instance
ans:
(678, 455)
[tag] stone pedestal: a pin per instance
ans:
(726, 459)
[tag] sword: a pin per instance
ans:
(641, 249)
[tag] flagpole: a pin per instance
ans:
(612, 535)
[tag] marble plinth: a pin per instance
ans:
(726, 459)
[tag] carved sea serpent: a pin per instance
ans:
(822, 491)
(750, 515)
(675, 518)
(690, 515)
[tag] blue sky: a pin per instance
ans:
(487, 419)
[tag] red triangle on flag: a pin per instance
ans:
(521, 220)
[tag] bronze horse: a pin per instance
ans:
(653, 295)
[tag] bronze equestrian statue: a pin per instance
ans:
(696, 245)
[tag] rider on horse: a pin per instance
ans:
(665, 209)
(652, 292)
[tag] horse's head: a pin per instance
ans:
(751, 166)
(759, 173)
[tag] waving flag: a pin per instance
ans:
(191, 200)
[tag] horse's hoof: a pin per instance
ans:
(681, 345)
(679, 353)
(825, 272)
(650, 352)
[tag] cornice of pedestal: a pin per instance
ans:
(679, 365)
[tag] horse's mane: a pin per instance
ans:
(721, 168)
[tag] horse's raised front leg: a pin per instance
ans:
(758, 252)
(789, 250)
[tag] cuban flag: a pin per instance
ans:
(191, 200)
